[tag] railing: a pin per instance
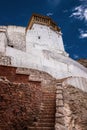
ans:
(44, 20)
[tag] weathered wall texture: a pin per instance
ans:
(22, 99)
(44, 38)
(10, 73)
(71, 108)
(59, 116)
(19, 104)
(35, 75)
(75, 106)
(12, 36)
(3, 42)
(16, 37)
(5, 60)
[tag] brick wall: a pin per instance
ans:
(19, 104)
(10, 73)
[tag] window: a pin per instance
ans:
(10, 45)
(38, 37)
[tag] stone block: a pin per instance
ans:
(59, 88)
(59, 115)
(59, 103)
(60, 121)
(59, 96)
(60, 110)
(60, 127)
(59, 91)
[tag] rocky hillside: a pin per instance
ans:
(83, 62)
(75, 107)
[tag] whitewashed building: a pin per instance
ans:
(39, 46)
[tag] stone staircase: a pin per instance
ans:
(46, 118)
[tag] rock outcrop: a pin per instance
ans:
(75, 108)
(83, 62)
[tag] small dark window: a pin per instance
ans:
(38, 37)
(11, 46)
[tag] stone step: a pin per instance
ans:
(49, 107)
(49, 101)
(47, 95)
(49, 92)
(49, 98)
(47, 110)
(47, 116)
(42, 124)
(50, 95)
(41, 128)
(49, 120)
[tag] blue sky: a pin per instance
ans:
(70, 16)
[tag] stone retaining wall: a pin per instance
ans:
(59, 117)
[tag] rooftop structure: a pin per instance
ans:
(43, 20)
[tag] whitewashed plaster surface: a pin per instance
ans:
(42, 37)
(3, 42)
(77, 82)
(44, 51)
(15, 36)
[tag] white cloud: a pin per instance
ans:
(75, 56)
(85, 14)
(80, 12)
(53, 3)
(49, 14)
(83, 34)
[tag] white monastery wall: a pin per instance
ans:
(77, 82)
(59, 67)
(16, 37)
(43, 50)
(42, 37)
(3, 42)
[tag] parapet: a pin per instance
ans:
(43, 20)
(3, 28)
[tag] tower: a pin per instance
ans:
(43, 34)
